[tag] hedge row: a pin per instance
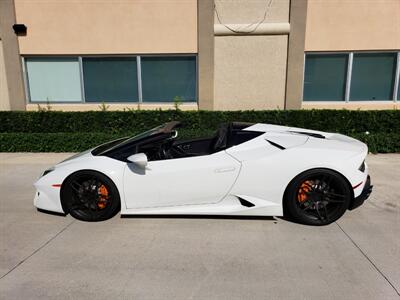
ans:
(343, 121)
(76, 142)
(68, 142)
(77, 131)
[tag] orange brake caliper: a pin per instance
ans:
(103, 193)
(304, 189)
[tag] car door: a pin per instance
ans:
(180, 181)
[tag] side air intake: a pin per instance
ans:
(276, 145)
(316, 135)
(245, 202)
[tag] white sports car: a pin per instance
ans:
(311, 177)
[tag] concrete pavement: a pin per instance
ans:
(46, 256)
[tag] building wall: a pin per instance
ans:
(250, 70)
(4, 100)
(10, 60)
(107, 27)
(235, 71)
(205, 56)
(353, 26)
(336, 25)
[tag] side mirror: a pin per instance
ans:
(139, 159)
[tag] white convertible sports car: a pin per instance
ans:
(311, 177)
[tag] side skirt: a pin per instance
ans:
(230, 205)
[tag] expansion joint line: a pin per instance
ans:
(371, 262)
(37, 250)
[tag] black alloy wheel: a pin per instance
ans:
(90, 196)
(317, 197)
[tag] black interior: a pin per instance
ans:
(163, 145)
(227, 135)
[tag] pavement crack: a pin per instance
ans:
(37, 250)
(371, 262)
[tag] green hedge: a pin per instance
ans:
(75, 131)
(76, 142)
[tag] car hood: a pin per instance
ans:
(75, 157)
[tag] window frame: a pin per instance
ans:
(345, 78)
(26, 79)
(196, 92)
(80, 58)
(350, 54)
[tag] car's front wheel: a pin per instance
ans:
(90, 196)
(317, 197)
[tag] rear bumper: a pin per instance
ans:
(367, 190)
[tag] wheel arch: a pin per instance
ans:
(321, 169)
(63, 185)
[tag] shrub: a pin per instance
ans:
(54, 131)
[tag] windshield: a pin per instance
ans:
(123, 141)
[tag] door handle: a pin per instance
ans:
(224, 170)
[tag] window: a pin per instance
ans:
(53, 79)
(164, 78)
(111, 79)
(362, 76)
(325, 77)
(129, 79)
(373, 76)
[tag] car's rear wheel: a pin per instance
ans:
(317, 197)
(90, 196)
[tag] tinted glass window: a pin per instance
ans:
(373, 76)
(53, 79)
(110, 79)
(164, 78)
(325, 77)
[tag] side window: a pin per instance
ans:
(238, 137)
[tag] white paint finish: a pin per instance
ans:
(267, 127)
(211, 184)
(230, 205)
(49, 198)
(139, 159)
(252, 29)
(254, 149)
(183, 181)
(286, 140)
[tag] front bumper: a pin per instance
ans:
(367, 190)
(48, 199)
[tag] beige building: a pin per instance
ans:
(204, 54)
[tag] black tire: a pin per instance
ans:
(90, 196)
(317, 197)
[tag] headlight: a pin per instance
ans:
(362, 167)
(47, 171)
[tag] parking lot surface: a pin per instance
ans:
(47, 256)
